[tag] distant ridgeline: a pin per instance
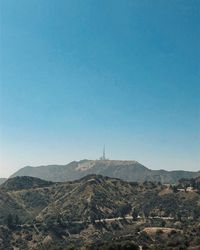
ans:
(125, 170)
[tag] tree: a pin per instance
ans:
(124, 209)
(175, 189)
(16, 220)
(134, 214)
(10, 221)
(179, 216)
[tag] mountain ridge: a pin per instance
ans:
(125, 170)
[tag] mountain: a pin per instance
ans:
(2, 180)
(96, 212)
(126, 170)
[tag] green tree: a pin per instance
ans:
(175, 189)
(135, 214)
(16, 220)
(124, 209)
(10, 221)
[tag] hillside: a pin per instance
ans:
(2, 180)
(9, 205)
(95, 209)
(125, 170)
(24, 182)
(98, 197)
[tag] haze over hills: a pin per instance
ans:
(125, 170)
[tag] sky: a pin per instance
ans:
(77, 75)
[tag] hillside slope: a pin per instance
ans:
(125, 170)
(98, 197)
(9, 205)
(24, 182)
(2, 180)
(94, 197)
(96, 208)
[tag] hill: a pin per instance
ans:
(98, 197)
(9, 205)
(125, 170)
(97, 210)
(24, 182)
(2, 180)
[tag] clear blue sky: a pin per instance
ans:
(76, 75)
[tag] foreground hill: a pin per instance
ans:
(93, 197)
(126, 170)
(2, 180)
(97, 211)
(24, 182)
(9, 205)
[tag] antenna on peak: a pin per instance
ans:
(103, 157)
(104, 153)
